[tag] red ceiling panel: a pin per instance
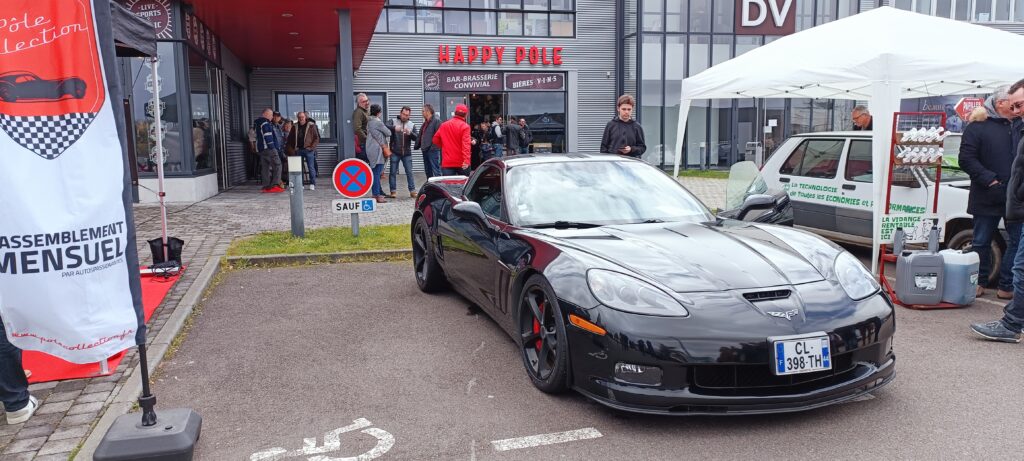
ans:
(283, 33)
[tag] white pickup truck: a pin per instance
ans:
(828, 177)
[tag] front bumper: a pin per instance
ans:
(717, 361)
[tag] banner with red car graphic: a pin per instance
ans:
(66, 232)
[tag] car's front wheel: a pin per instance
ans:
(543, 342)
(429, 275)
(7, 93)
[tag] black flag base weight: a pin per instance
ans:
(172, 438)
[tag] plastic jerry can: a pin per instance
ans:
(919, 277)
(961, 277)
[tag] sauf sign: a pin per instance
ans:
(765, 17)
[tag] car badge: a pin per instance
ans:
(788, 315)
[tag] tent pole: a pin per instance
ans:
(158, 116)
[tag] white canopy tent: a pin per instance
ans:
(882, 56)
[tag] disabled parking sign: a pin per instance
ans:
(352, 178)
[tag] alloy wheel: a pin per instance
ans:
(539, 333)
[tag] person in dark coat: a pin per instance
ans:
(425, 143)
(1008, 328)
(986, 154)
(623, 135)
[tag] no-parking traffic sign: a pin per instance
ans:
(352, 178)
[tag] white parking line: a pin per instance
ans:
(545, 439)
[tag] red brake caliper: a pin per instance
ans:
(536, 327)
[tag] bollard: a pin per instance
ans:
(295, 177)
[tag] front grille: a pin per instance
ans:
(766, 295)
(758, 379)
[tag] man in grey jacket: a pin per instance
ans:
(425, 142)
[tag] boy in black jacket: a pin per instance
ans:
(623, 135)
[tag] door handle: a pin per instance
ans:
(783, 179)
(849, 187)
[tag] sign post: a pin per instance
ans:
(353, 179)
(295, 177)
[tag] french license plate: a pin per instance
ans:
(801, 355)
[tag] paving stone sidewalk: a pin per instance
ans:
(69, 409)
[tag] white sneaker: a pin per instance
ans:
(312, 187)
(22, 415)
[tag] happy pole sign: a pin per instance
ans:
(66, 233)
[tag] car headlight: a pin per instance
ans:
(630, 294)
(855, 279)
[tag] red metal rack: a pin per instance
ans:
(902, 122)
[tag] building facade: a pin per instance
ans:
(558, 64)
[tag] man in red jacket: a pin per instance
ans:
(455, 143)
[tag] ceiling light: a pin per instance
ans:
(286, 15)
(293, 33)
(302, 59)
(298, 47)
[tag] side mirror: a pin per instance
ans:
(755, 202)
(470, 211)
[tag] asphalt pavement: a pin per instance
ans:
(351, 361)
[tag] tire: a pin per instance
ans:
(7, 93)
(429, 275)
(545, 354)
(962, 241)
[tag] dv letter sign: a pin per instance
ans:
(765, 17)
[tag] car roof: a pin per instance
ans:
(842, 134)
(533, 159)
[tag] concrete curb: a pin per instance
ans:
(123, 402)
(322, 258)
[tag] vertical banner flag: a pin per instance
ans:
(66, 230)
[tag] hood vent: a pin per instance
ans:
(766, 295)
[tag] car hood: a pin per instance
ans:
(697, 257)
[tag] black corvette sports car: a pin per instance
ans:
(16, 86)
(615, 281)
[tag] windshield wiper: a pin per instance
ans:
(565, 225)
(652, 221)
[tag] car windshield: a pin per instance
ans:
(598, 193)
(951, 171)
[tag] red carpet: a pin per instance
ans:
(46, 367)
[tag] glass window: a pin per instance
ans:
(400, 2)
(401, 20)
(923, 6)
(723, 16)
(804, 15)
(545, 116)
(858, 161)
(962, 10)
(510, 23)
(562, 25)
(720, 146)
(904, 4)
(700, 15)
(144, 126)
(675, 63)
(456, 3)
(485, 23)
(800, 116)
(825, 12)
(316, 105)
(696, 134)
(651, 98)
(382, 22)
(541, 5)
(486, 191)
(536, 25)
(203, 117)
(944, 8)
(1000, 10)
(632, 9)
(747, 43)
(630, 71)
(847, 8)
(428, 21)
(676, 15)
(815, 158)
(721, 50)
(456, 22)
(820, 120)
(654, 19)
(700, 54)
(561, 5)
(842, 114)
(484, 4)
(510, 4)
(609, 192)
(983, 10)
(1018, 10)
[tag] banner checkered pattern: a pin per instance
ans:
(47, 136)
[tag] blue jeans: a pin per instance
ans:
(13, 384)
(377, 189)
(524, 150)
(1013, 313)
(432, 162)
(985, 227)
(499, 150)
(407, 165)
(310, 156)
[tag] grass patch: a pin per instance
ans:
(713, 174)
(325, 240)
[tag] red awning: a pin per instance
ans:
(266, 33)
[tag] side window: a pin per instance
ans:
(858, 162)
(815, 158)
(486, 190)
